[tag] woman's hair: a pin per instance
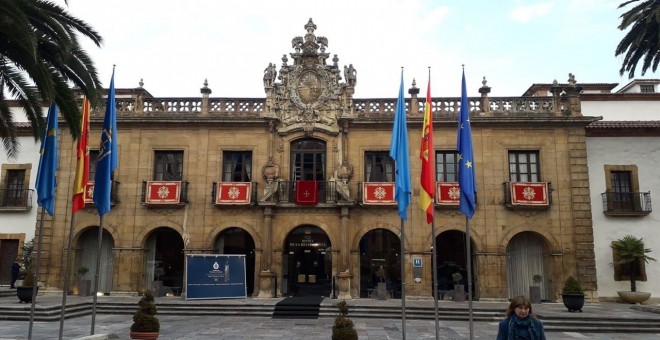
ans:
(519, 301)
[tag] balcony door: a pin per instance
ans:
(308, 158)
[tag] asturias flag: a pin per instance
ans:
(107, 161)
(82, 167)
(427, 155)
(46, 181)
(465, 157)
(399, 152)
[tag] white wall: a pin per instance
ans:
(622, 110)
(22, 222)
(644, 152)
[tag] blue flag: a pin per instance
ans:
(107, 161)
(46, 182)
(399, 152)
(465, 157)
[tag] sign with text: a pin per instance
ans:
(215, 276)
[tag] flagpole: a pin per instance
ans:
(469, 273)
(96, 274)
(35, 286)
(403, 283)
(65, 291)
(435, 280)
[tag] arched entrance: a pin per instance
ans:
(451, 257)
(380, 248)
(525, 259)
(307, 262)
(164, 261)
(88, 243)
(236, 241)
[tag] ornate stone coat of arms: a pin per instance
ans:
(310, 95)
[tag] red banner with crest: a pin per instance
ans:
(88, 194)
(233, 193)
(307, 192)
(449, 193)
(160, 192)
(529, 193)
(378, 193)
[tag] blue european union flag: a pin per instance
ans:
(107, 161)
(465, 157)
(399, 152)
(46, 181)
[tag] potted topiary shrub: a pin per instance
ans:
(145, 324)
(631, 252)
(84, 285)
(343, 329)
(459, 289)
(573, 295)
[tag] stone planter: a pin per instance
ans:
(24, 293)
(573, 302)
(459, 293)
(84, 287)
(535, 294)
(634, 297)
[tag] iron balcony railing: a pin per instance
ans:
(16, 199)
(637, 203)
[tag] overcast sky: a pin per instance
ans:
(174, 45)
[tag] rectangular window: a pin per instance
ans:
(236, 166)
(647, 88)
(378, 167)
(622, 193)
(446, 166)
(524, 166)
(15, 190)
(168, 166)
(93, 161)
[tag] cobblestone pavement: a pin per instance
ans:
(257, 328)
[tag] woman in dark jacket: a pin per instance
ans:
(520, 322)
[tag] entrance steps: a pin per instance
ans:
(553, 321)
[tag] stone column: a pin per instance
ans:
(266, 276)
(344, 276)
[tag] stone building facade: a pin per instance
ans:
(300, 183)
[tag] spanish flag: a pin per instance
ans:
(82, 167)
(427, 156)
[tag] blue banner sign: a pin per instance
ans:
(215, 276)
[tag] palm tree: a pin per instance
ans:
(643, 39)
(631, 251)
(40, 58)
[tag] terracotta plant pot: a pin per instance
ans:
(634, 297)
(144, 335)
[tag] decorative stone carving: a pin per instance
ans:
(310, 96)
(345, 171)
(271, 170)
